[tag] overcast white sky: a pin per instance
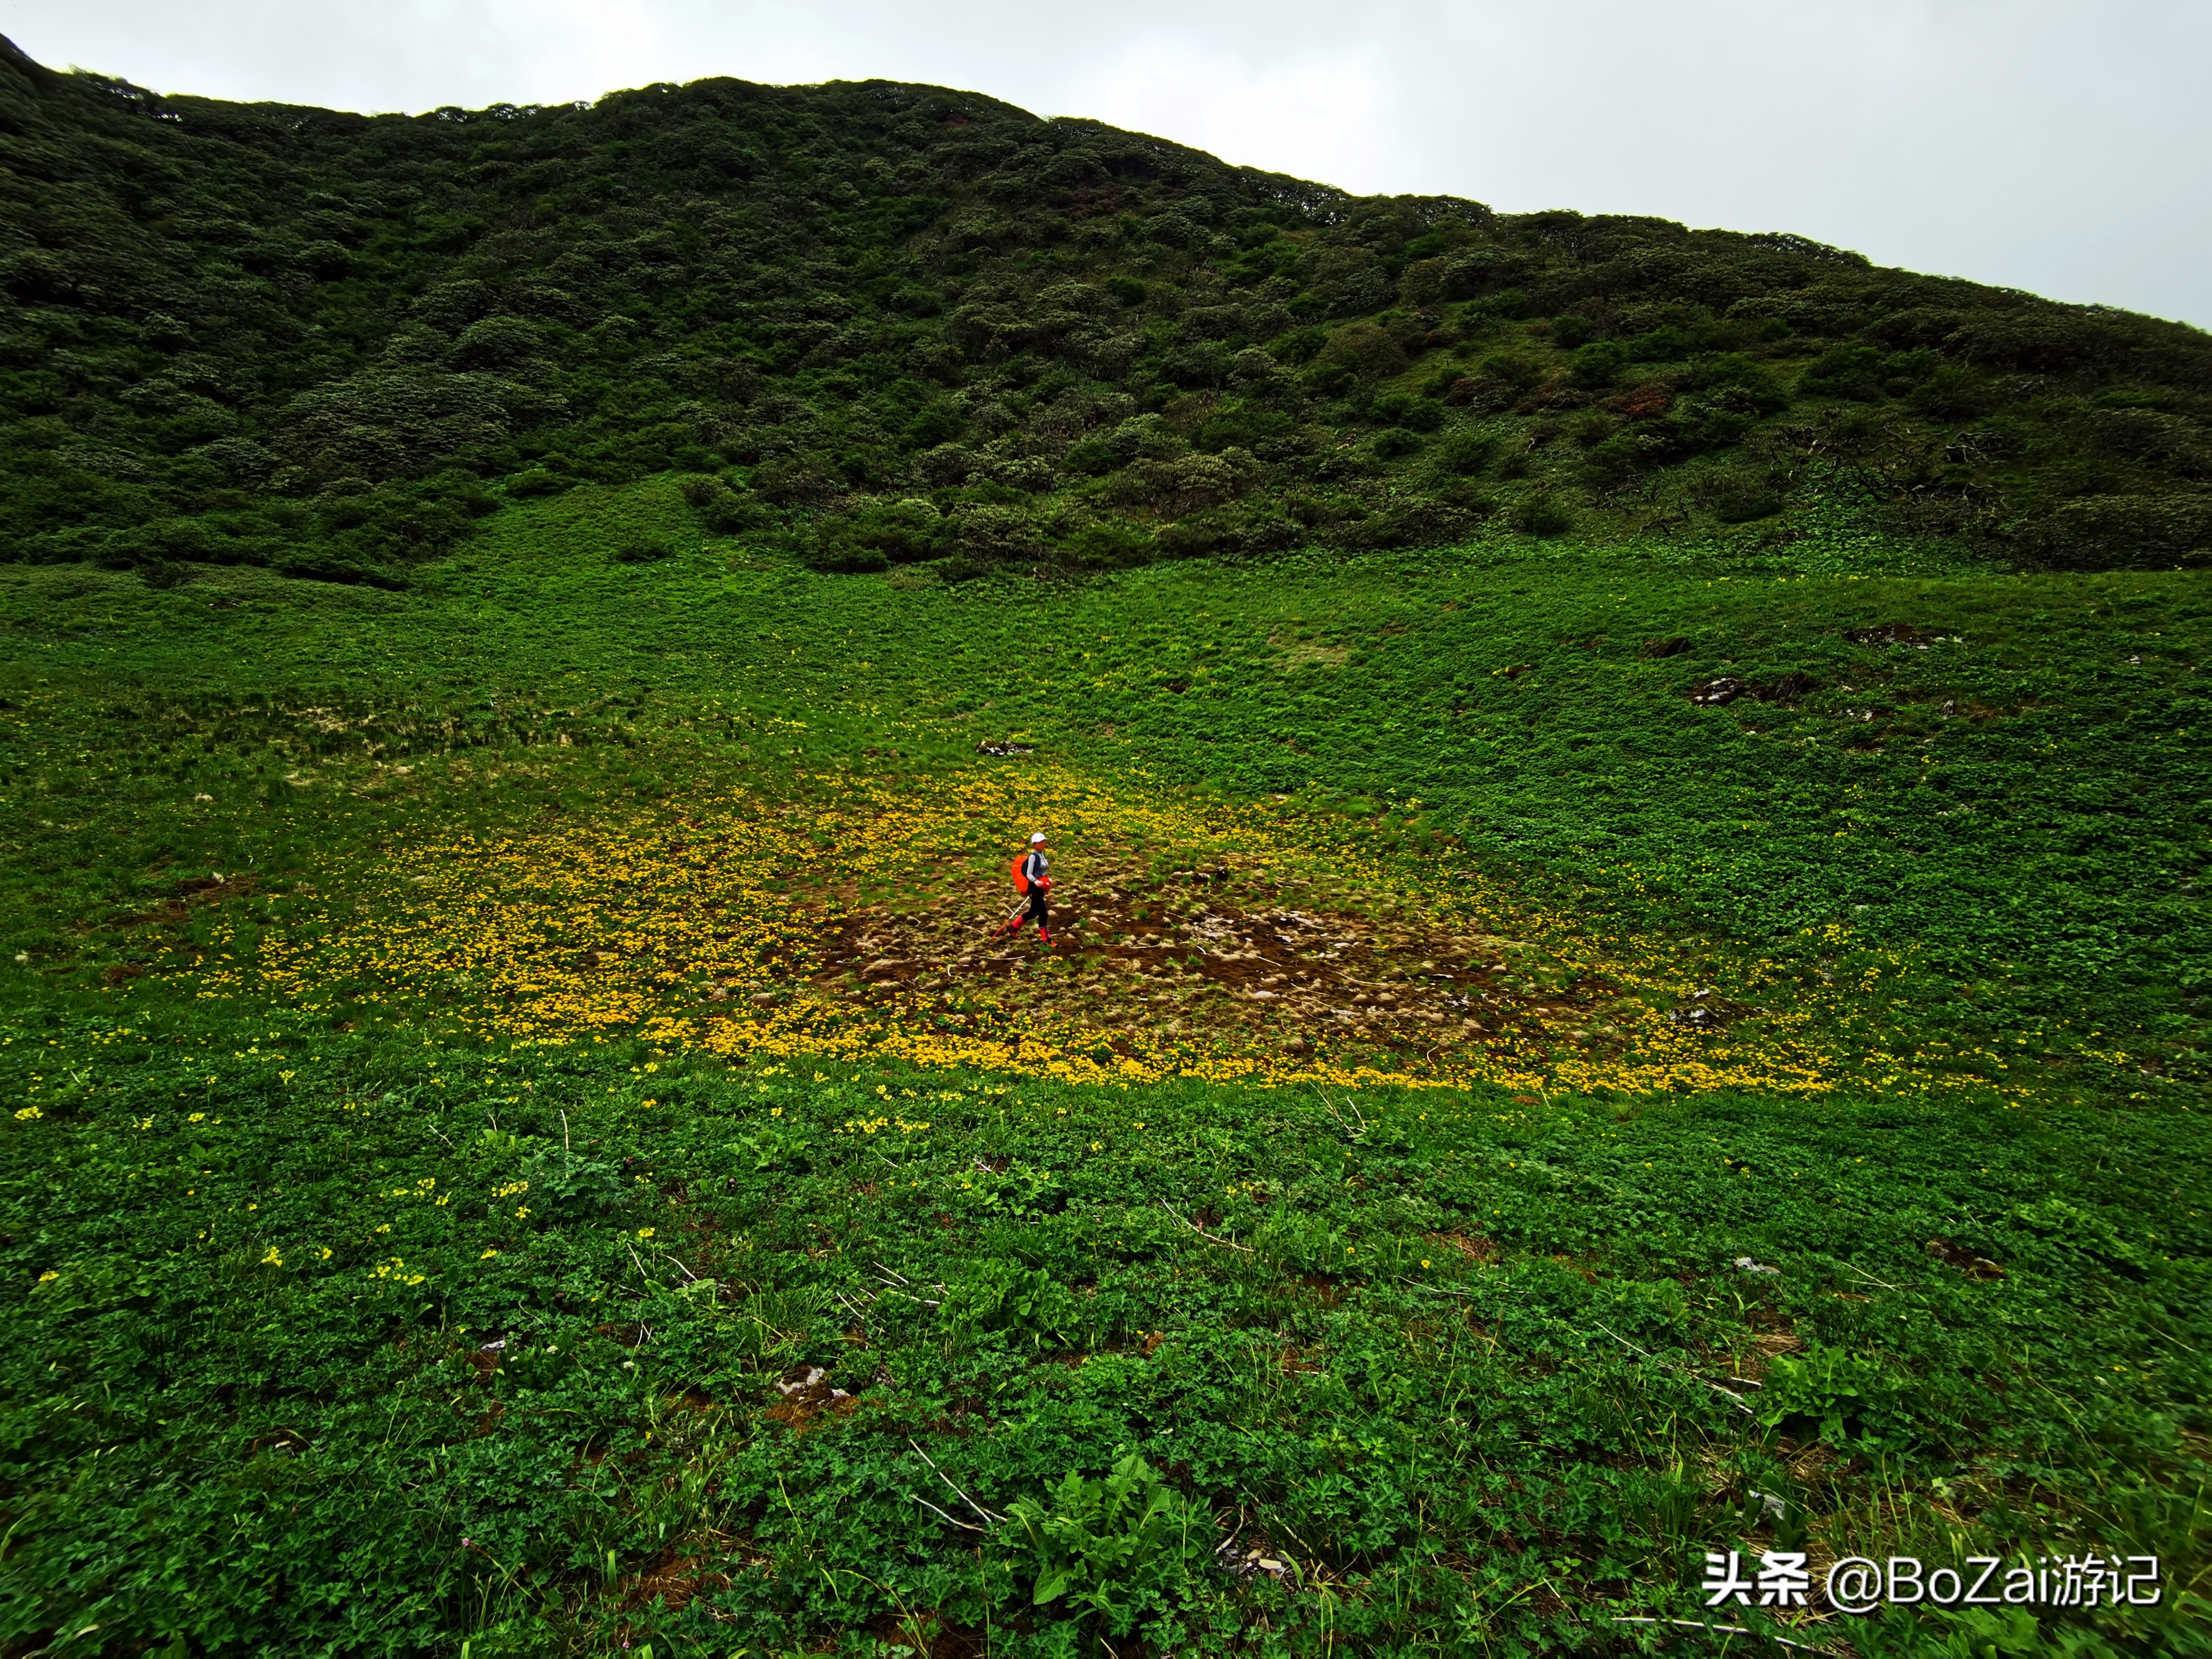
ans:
(2060, 147)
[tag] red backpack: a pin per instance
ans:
(1021, 881)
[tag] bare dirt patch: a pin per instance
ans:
(1207, 951)
(1294, 654)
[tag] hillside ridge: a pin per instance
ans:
(879, 323)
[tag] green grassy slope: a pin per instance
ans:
(2008, 797)
(1453, 1361)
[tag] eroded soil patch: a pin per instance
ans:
(1211, 952)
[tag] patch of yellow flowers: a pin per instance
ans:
(700, 928)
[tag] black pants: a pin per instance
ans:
(1036, 912)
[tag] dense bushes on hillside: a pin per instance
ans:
(884, 323)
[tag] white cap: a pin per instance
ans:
(1037, 837)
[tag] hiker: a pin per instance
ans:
(1032, 875)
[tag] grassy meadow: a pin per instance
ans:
(1558, 1055)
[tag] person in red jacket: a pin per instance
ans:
(1033, 876)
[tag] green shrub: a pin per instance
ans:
(1518, 369)
(1760, 392)
(537, 481)
(729, 513)
(1591, 428)
(1742, 508)
(1364, 350)
(643, 550)
(903, 531)
(1299, 347)
(163, 541)
(1093, 457)
(844, 557)
(1705, 423)
(1144, 437)
(913, 300)
(1540, 515)
(1660, 344)
(1843, 371)
(795, 483)
(1331, 379)
(1953, 392)
(1599, 363)
(496, 342)
(2100, 532)
(1414, 414)
(1463, 454)
(940, 423)
(1246, 426)
(1439, 385)
(1394, 441)
(1571, 330)
(1200, 534)
(1615, 460)
(1110, 543)
(326, 563)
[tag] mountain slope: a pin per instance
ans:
(884, 323)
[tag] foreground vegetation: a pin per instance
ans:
(380, 1343)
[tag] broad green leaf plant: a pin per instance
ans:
(1118, 1547)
